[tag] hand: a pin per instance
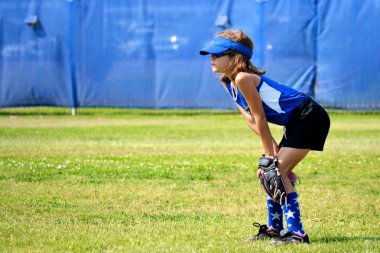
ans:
(264, 162)
(260, 171)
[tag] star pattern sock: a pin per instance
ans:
(292, 213)
(274, 215)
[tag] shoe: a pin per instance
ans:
(264, 233)
(287, 236)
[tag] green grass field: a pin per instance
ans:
(114, 180)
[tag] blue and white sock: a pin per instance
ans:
(292, 213)
(274, 215)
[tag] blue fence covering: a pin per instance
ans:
(144, 53)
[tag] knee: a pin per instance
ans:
(284, 168)
(287, 172)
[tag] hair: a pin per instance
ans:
(241, 62)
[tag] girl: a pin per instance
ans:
(262, 100)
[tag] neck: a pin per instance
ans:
(228, 74)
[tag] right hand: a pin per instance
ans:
(264, 162)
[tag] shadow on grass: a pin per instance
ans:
(34, 111)
(98, 111)
(119, 111)
(344, 239)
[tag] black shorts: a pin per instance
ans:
(307, 128)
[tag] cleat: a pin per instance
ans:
(287, 237)
(264, 233)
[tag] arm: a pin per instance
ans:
(252, 125)
(247, 85)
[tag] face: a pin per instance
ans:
(220, 64)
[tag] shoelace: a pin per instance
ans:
(262, 228)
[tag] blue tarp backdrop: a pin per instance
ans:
(144, 53)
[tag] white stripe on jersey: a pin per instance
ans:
(271, 97)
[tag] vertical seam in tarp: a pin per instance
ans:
(1, 60)
(316, 44)
(261, 32)
(70, 54)
(223, 18)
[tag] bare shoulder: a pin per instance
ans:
(244, 78)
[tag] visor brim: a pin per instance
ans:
(214, 49)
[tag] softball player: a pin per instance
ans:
(262, 100)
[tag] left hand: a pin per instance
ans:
(259, 173)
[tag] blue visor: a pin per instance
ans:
(220, 44)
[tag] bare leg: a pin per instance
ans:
(288, 158)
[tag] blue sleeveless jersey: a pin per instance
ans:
(279, 100)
